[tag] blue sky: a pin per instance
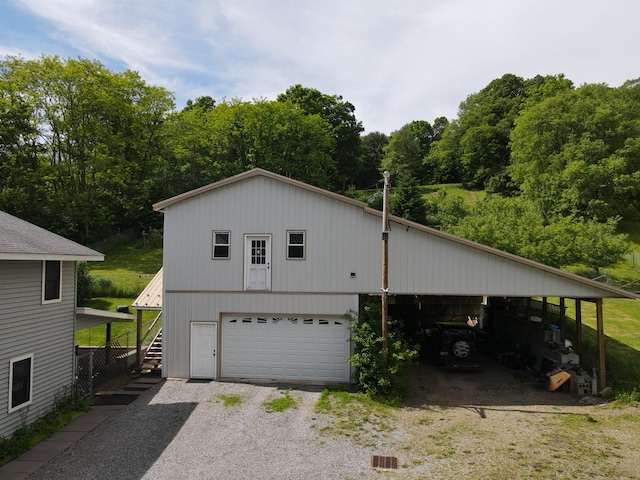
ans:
(396, 61)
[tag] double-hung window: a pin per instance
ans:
(221, 244)
(20, 381)
(51, 281)
(295, 245)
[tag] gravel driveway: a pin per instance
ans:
(476, 425)
(182, 430)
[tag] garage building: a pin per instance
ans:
(259, 271)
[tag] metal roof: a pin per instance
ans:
(21, 240)
(151, 296)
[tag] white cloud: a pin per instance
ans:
(395, 61)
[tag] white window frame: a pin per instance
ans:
(12, 362)
(58, 299)
(303, 244)
(214, 244)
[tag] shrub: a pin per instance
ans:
(85, 284)
(373, 378)
(66, 407)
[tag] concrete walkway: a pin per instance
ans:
(36, 457)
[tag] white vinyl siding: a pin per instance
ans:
(29, 326)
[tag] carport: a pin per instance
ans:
(534, 321)
(481, 281)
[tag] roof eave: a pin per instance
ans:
(51, 256)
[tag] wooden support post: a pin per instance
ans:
(579, 327)
(139, 338)
(602, 378)
(545, 306)
(107, 347)
(563, 322)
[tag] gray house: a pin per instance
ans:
(37, 318)
(259, 271)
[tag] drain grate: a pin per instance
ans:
(380, 461)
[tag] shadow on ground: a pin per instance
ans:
(494, 385)
(121, 447)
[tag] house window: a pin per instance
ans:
(20, 381)
(221, 244)
(295, 245)
(51, 281)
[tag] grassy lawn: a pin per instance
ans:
(129, 268)
(469, 196)
(124, 333)
(622, 340)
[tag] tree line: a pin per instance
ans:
(85, 152)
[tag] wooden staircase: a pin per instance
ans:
(152, 361)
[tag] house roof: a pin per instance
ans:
(607, 290)
(151, 297)
(90, 317)
(21, 240)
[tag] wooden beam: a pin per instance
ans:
(602, 379)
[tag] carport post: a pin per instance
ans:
(385, 269)
(138, 339)
(602, 380)
(579, 325)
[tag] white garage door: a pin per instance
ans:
(285, 348)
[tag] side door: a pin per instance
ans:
(204, 345)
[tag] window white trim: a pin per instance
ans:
(297, 245)
(12, 362)
(220, 245)
(46, 282)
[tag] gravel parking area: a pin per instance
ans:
(183, 430)
(454, 425)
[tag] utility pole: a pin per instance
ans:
(385, 269)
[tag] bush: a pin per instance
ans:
(85, 284)
(66, 408)
(105, 287)
(373, 378)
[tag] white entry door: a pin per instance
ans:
(204, 343)
(257, 254)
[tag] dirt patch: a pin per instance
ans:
(488, 424)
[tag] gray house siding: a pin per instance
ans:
(28, 326)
